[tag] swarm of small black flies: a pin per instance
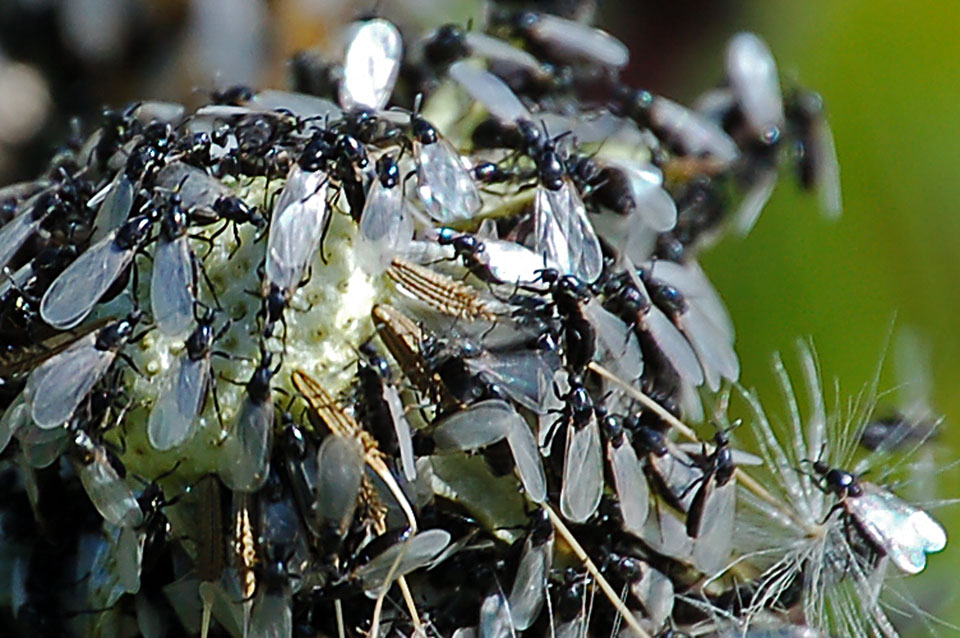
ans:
(412, 349)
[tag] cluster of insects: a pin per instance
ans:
(410, 351)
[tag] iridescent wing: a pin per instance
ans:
(174, 415)
(108, 492)
(528, 592)
(477, 426)
(752, 73)
(444, 185)
(575, 39)
(713, 508)
(617, 347)
(582, 472)
(339, 474)
(564, 234)
(371, 65)
(56, 388)
(490, 91)
(905, 532)
(400, 559)
(299, 216)
(172, 286)
(245, 461)
(526, 456)
(631, 485)
(74, 293)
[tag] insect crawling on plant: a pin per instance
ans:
(893, 527)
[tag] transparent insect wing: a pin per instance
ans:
(225, 599)
(129, 558)
(41, 448)
(21, 191)
(576, 628)
(194, 186)
(717, 356)
(481, 424)
(15, 417)
(528, 592)
(574, 39)
(523, 374)
(631, 486)
(826, 169)
(665, 533)
(423, 251)
(339, 472)
(73, 294)
(115, 208)
(408, 461)
(512, 263)
(56, 388)
(587, 128)
(905, 532)
(552, 405)
(102, 584)
(754, 200)
(183, 597)
(752, 73)
(300, 104)
(224, 111)
(171, 286)
(489, 90)
(745, 458)
(303, 475)
(402, 558)
(371, 65)
(496, 50)
(245, 462)
(714, 536)
(526, 456)
(395, 240)
(582, 473)
(715, 103)
(382, 212)
(564, 233)
(673, 345)
(653, 204)
(617, 343)
(15, 233)
(691, 404)
(300, 214)
(655, 590)
(271, 616)
(444, 185)
(281, 527)
(693, 282)
(676, 473)
(495, 620)
(108, 492)
(173, 418)
(159, 111)
(692, 132)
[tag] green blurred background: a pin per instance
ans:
(890, 78)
